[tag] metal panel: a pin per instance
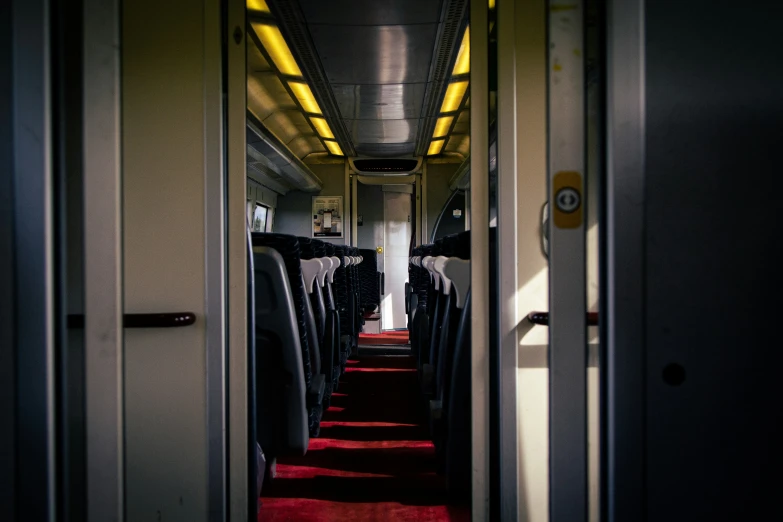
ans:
(370, 102)
(507, 262)
(242, 501)
(567, 296)
(623, 268)
(32, 195)
(382, 131)
(103, 282)
(398, 53)
(371, 12)
(385, 149)
(7, 276)
(479, 272)
(215, 264)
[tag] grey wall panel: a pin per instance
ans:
(713, 116)
(438, 192)
(293, 210)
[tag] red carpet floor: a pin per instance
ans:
(373, 459)
(390, 337)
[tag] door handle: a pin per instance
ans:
(161, 320)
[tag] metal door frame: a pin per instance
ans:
(103, 282)
(567, 262)
(33, 304)
(622, 267)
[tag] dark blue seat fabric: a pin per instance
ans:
(333, 304)
(369, 280)
(457, 409)
(289, 248)
(315, 249)
(345, 306)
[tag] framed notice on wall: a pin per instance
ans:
(327, 216)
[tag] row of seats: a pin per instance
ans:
(307, 322)
(438, 306)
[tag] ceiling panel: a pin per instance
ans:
(371, 12)
(375, 54)
(392, 102)
(383, 131)
(385, 150)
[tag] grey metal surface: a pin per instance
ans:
(567, 282)
(388, 12)
(242, 501)
(377, 60)
(712, 279)
(288, 165)
(623, 268)
(215, 266)
(368, 132)
(372, 101)
(507, 254)
(34, 322)
(479, 269)
(7, 277)
(397, 53)
(103, 282)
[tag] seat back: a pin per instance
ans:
(288, 247)
(282, 416)
(458, 413)
(369, 280)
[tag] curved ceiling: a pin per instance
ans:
(378, 78)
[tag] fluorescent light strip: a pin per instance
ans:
(334, 148)
(305, 96)
(462, 65)
(443, 126)
(274, 43)
(257, 6)
(454, 94)
(322, 127)
(435, 147)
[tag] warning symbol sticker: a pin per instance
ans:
(567, 188)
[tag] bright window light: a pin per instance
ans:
(443, 126)
(435, 147)
(274, 43)
(322, 127)
(334, 148)
(257, 6)
(462, 65)
(305, 96)
(454, 94)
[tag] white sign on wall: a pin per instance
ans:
(327, 216)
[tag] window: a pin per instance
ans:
(259, 218)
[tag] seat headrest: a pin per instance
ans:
(310, 270)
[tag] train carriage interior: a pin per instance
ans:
(393, 260)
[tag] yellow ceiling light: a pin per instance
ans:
(322, 127)
(443, 126)
(305, 96)
(491, 4)
(462, 65)
(257, 6)
(454, 94)
(435, 147)
(274, 43)
(334, 148)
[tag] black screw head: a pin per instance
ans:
(237, 35)
(674, 374)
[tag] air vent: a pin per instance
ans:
(386, 166)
